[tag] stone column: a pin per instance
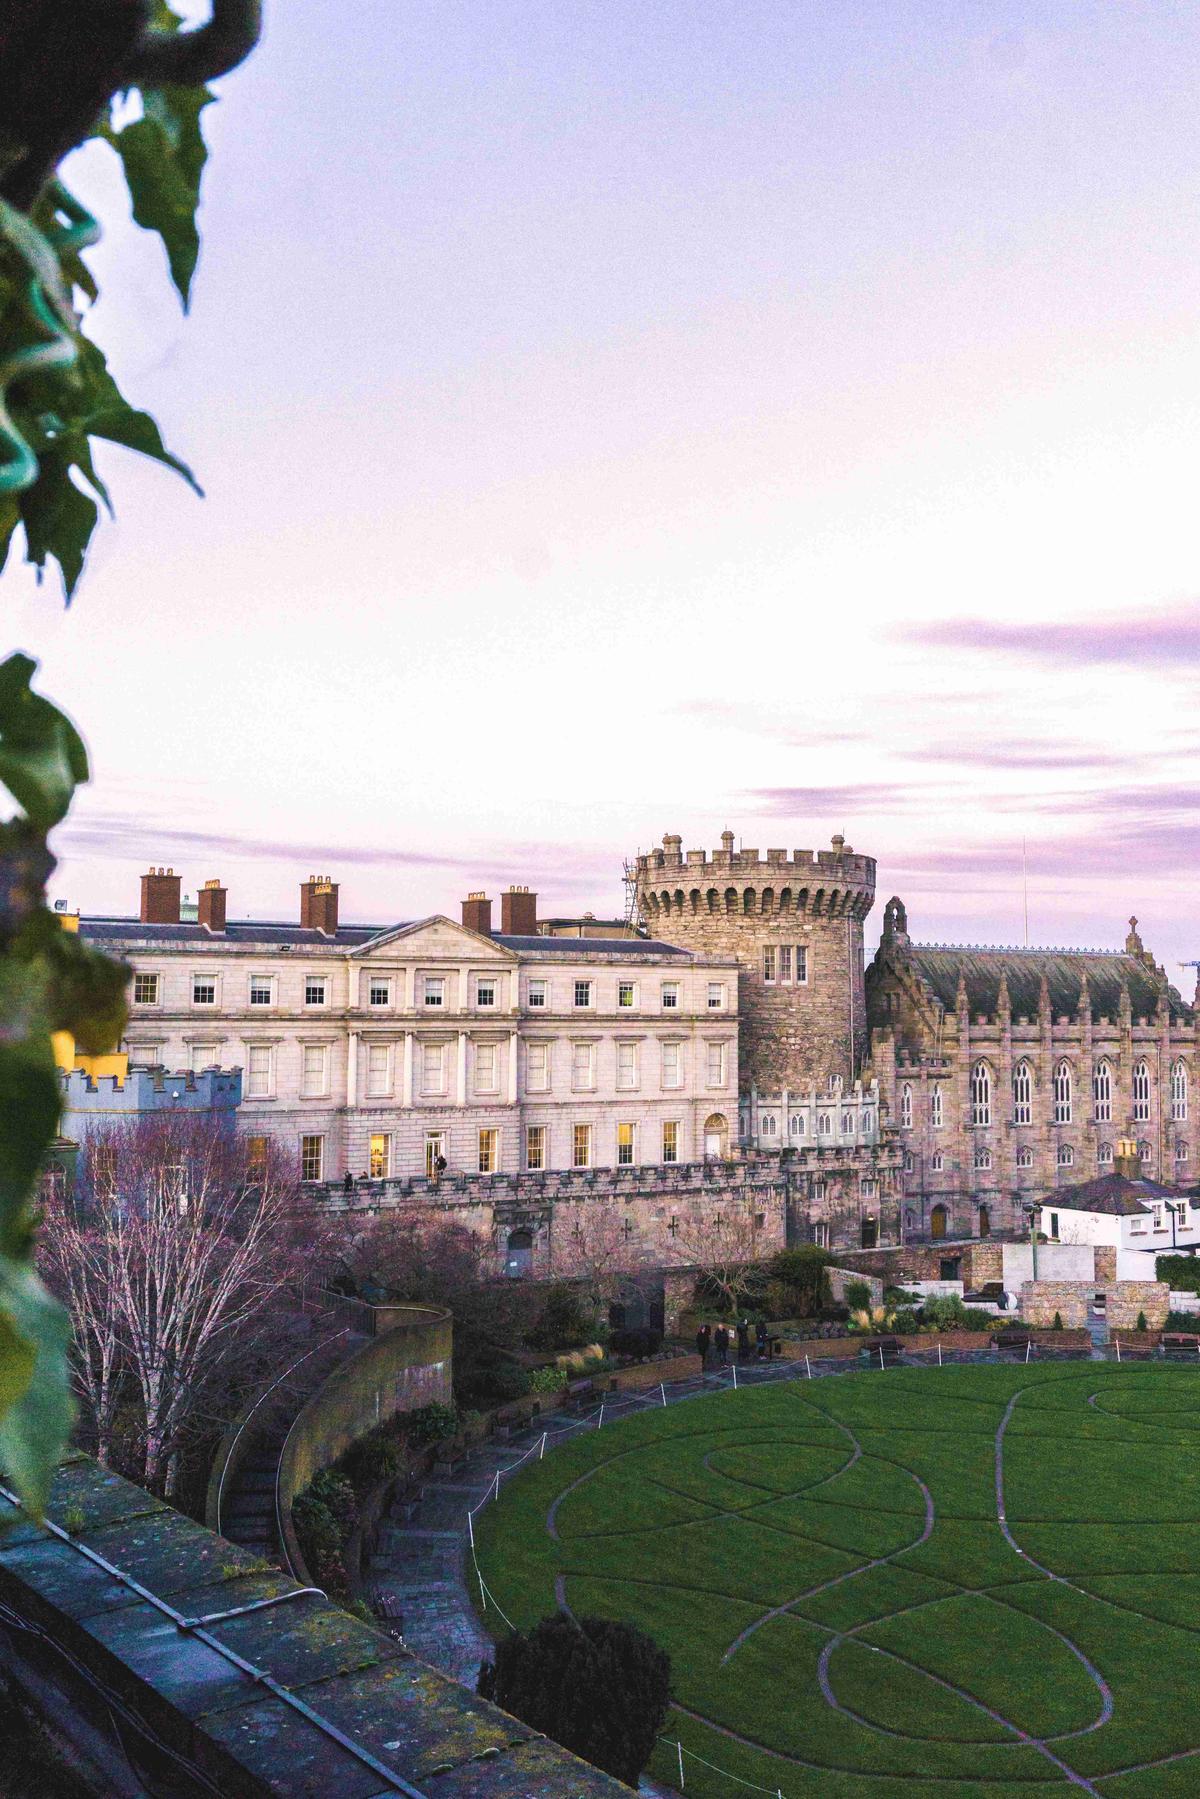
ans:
(407, 1076)
(352, 1071)
(460, 1095)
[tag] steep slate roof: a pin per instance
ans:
(939, 966)
(1115, 1195)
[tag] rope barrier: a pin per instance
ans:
(750, 1785)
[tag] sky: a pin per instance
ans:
(636, 416)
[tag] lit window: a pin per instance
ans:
(204, 990)
(537, 1067)
(670, 996)
(145, 989)
(785, 962)
(535, 994)
(906, 1107)
(716, 996)
(379, 1156)
(1141, 1091)
(581, 1146)
(433, 1068)
(314, 1079)
(670, 1140)
(625, 994)
(205, 1055)
(487, 1075)
(256, 1158)
(379, 993)
(583, 994)
(489, 1150)
(626, 1139)
(260, 1071)
(435, 1152)
(1102, 1093)
(801, 964)
(983, 1158)
(485, 992)
(433, 990)
(379, 1070)
(1022, 1085)
(1066, 1156)
(535, 1146)
(261, 990)
(715, 1064)
(937, 1110)
(768, 962)
(315, 989)
(672, 1065)
(981, 1094)
(312, 1158)
(1179, 1091)
(627, 1067)
(1024, 1158)
(1062, 1093)
(583, 1066)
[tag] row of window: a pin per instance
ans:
(1062, 1095)
(487, 1161)
(434, 1066)
(785, 964)
(850, 1122)
(432, 992)
(1064, 1157)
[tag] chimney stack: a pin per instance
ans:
(1126, 1159)
(319, 905)
(160, 897)
(518, 913)
(210, 906)
(477, 914)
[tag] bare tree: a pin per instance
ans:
(170, 1254)
(723, 1243)
(596, 1250)
(404, 1253)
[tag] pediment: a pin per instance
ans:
(436, 939)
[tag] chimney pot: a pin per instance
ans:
(319, 905)
(477, 914)
(160, 897)
(210, 906)
(518, 913)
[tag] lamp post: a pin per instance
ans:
(1031, 1213)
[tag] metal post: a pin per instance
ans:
(662, 1389)
(471, 1530)
(1028, 1347)
(496, 1486)
(679, 1746)
(881, 1355)
(1117, 1341)
(542, 1450)
(600, 1419)
(735, 1377)
(808, 1364)
(939, 1352)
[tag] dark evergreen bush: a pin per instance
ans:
(599, 1688)
(564, 1322)
(1058, 1323)
(639, 1343)
(1141, 1322)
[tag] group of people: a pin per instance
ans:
(718, 1343)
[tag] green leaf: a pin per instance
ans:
(138, 431)
(42, 757)
(58, 520)
(17, 1357)
(163, 154)
(36, 1425)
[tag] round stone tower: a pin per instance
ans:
(795, 924)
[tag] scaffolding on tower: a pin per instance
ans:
(633, 904)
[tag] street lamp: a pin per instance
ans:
(1031, 1212)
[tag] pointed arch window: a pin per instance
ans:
(1062, 1093)
(906, 1107)
(1179, 1091)
(937, 1111)
(1141, 1090)
(981, 1094)
(1102, 1093)
(1022, 1084)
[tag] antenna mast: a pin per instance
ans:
(1025, 889)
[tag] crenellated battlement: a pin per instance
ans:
(152, 1090)
(817, 883)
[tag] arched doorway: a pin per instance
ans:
(716, 1137)
(519, 1258)
(985, 1222)
(870, 1233)
(937, 1221)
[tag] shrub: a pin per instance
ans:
(1058, 1323)
(1183, 1321)
(564, 1322)
(636, 1343)
(1141, 1322)
(974, 1318)
(946, 1312)
(374, 1458)
(900, 1296)
(334, 1491)
(548, 1380)
(598, 1687)
(1181, 1272)
(320, 1539)
(905, 1321)
(801, 1273)
(430, 1423)
(491, 1383)
(857, 1295)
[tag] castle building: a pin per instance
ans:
(388, 1051)
(1010, 1071)
(794, 925)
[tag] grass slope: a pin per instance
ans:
(845, 1615)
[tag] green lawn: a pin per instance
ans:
(845, 1616)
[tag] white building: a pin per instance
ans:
(375, 1049)
(1137, 1217)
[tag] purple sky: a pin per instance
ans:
(622, 417)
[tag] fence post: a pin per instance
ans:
(679, 1746)
(1117, 1341)
(735, 1377)
(496, 1486)
(1028, 1347)
(542, 1450)
(471, 1530)
(881, 1356)
(600, 1419)
(939, 1352)
(808, 1364)
(662, 1389)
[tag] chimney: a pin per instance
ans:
(160, 897)
(319, 905)
(1126, 1160)
(518, 913)
(477, 914)
(210, 906)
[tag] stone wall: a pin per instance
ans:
(1105, 1261)
(1040, 1300)
(1125, 1299)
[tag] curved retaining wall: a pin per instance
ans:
(409, 1365)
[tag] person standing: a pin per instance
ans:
(721, 1339)
(702, 1338)
(761, 1336)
